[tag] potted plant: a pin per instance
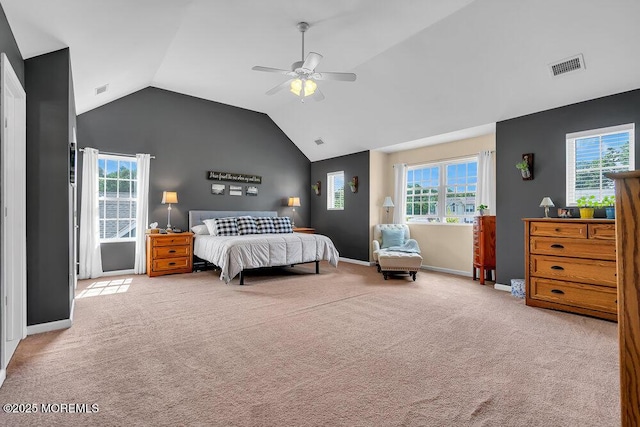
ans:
(316, 188)
(586, 205)
(353, 184)
(523, 166)
(609, 202)
(482, 209)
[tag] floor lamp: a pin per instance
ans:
(388, 203)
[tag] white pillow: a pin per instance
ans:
(200, 229)
(211, 226)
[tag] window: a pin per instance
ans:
(593, 153)
(117, 197)
(335, 190)
(442, 192)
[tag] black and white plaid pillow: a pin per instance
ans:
(226, 226)
(283, 224)
(246, 225)
(265, 225)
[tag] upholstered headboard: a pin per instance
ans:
(197, 217)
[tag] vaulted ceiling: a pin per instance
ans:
(427, 70)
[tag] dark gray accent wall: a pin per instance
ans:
(9, 46)
(48, 123)
(544, 134)
(190, 136)
(348, 228)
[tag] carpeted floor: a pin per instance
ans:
(343, 348)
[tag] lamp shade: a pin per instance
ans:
(169, 197)
(546, 202)
(388, 203)
(294, 201)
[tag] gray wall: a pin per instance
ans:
(9, 46)
(190, 136)
(48, 123)
(348, 228)
(544, 135)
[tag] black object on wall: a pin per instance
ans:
(544, 133)
(50, 117)
(348, 228)
(190, 136)
(9, 46)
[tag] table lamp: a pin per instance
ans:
(169, 197)
(546, 203)
(293, 202)
(388, 203)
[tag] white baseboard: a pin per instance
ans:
(49, 326)
(501, 287)
(73, 306)
(446, 270)
(356, 261)
(3, 375)
(118, 272)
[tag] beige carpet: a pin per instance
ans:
(343, 348)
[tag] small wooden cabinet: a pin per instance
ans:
(169, 253)
(571, 265)
(484, 246)
(304, 230)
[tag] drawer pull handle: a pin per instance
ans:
(557, 246)
(557, 230)
(172, 251)
(557, 267)
(172, 263)
(557, 291)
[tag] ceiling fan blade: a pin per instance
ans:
(270, 70)
(278, 88)
(317, 95)
(345, 77)
(312, 61)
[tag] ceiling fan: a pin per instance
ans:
(304, 75)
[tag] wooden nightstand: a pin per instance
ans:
(169, 253)
(304, 230)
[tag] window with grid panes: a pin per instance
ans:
(335, 190)
(117, 197)
(591, 154)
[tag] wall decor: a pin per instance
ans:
(250, 190)
(218, 189)
(353, 184)
(234, 177)
(526, 166)
(316, 188)
(235, 190)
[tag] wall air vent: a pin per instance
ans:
(319, 141)
(102, 89)
(568, 65)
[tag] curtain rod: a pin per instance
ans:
(115, 154)
(446, 159)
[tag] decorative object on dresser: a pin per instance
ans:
(388, 203)
(483, 210)
(571, 265)
(546, 203)
(304, 230)
(169, 197)
(169, 253)
(484, 246)
(628, 267)
(293, 202)
(526, 167)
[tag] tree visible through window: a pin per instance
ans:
(117, 194)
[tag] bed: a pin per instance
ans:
(234, 254)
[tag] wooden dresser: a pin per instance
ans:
(571, 265)
(484, 246)
(169, 253)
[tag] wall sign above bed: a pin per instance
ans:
(234, 177)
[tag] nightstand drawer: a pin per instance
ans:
(171, 264)
(600, 298)
(171, 240)
(171, 251)
(592, 271)
(556, 229)
(578, 248)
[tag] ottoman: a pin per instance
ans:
(390, 262)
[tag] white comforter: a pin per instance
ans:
(236, 253)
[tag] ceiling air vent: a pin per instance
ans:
(102, 89)
(319, 141)
(568, 65)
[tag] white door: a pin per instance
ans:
(13, 279)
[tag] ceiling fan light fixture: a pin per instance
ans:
(309, 87)
(296, 86)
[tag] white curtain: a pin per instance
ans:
(486, 191)
(400, 192)
(142, 212)
(90, 255)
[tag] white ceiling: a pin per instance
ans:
(425, 68)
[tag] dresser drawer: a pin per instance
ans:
(555, 229)
(578, 248)
(592, 271)
(171, 251)
(171, 264)
(602, 231)
(600, 298)
(172, 241)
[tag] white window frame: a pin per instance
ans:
(571, 158)
(105, 199)
(441, 217)
(332, 188)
